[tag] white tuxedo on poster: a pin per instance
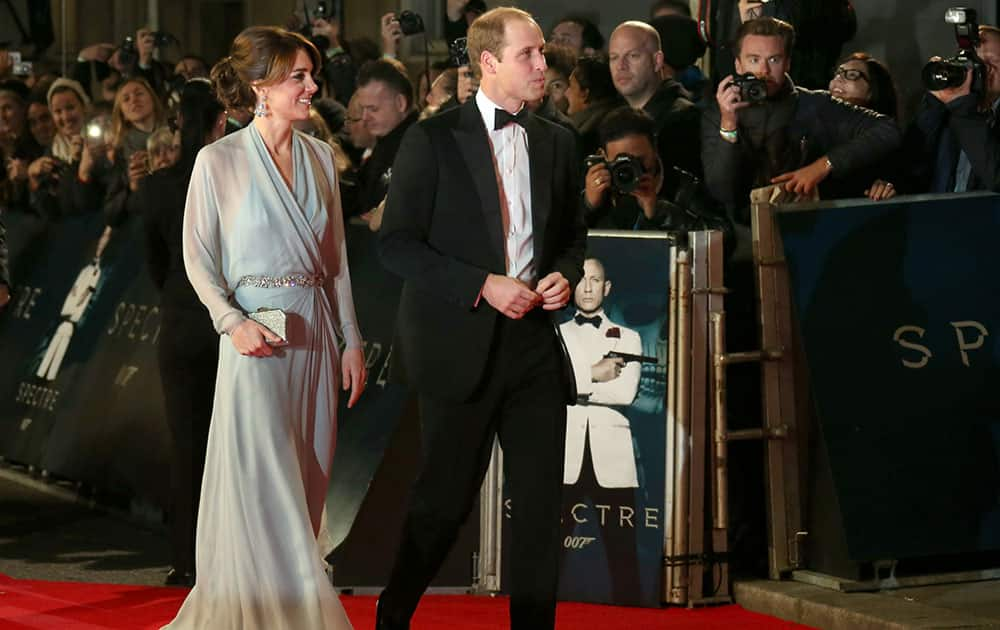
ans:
(601, 382)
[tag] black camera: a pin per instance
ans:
(458, 52)
(410, 23)
(950, 73)
(752, 89)
(626, 170)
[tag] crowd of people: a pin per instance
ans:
(648, 140)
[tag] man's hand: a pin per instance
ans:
(554, 291)
(392, 33)
(96, 52)
(4, 295)
(606, 370)
(455, 9)
(728, 98)
(353, 374)
(597, 181)
(145, 43)
(329, 29)
(947, 95)
(510, 296)
(250, 339)
(880, 190)
(804, 180)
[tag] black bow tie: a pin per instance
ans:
(501, 118)
(594, 321)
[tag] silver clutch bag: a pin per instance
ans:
(273, 319)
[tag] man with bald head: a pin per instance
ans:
(636, 58)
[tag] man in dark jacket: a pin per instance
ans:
(636, 60)
(795, 137)
(386, 97)
(954, 140)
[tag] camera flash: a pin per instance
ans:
(955, 16)
(94, 131)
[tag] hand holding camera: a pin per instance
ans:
(598, 181)
(730, 97)
(138, 167)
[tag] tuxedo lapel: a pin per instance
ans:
(473, 143)
(540, 156)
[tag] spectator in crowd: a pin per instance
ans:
(636, 60)
(442, 91)
(187, 346)
(163, 147)
(458, 15)
(795, 137)
(17, 147)
(682, 47)
(630, 132)
(953, 143)
(156, 73)
(822, 27)
(190, 67)
(40, 123)
(663, 8)
(51, 176)
(579, 35)
(863, 80)
(590, 96)
(386, 97)
(392, 34)
(109, 183)
(560, 61)
(426, 79)
(360, 141)
(340, 68)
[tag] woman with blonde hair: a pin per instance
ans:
(263, 229)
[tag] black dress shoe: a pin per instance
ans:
(383, 622)
(178, 578)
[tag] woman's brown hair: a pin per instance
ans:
(260, 55)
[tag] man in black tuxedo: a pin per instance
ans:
(482, 222)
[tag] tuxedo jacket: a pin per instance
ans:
(442, 233)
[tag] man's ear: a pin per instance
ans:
(400, 103)
(658, 61)
(738, 65)
(487, 62)
(607, 287)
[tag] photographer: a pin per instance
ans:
(17, 148)
(623, 190)
(136, 59)
(763, 130)
(954, 139)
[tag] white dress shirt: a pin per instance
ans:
(510, 150)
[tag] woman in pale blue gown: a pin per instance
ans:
(263, 228)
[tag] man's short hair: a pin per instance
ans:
(488, 33)
(390, 73)
(681, 6)
(591, 36)
(988, 29)
(765, 27)
(627, 121)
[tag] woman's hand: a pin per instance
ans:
(138, 167)
(353, 375)
(880, 190)
(250, 339)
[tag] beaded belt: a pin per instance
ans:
(282, 282)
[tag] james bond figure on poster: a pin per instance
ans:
(601, 381)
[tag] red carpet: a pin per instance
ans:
(36, 605)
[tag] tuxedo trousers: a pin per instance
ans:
(521, 401)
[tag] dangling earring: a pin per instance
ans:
(261, 110)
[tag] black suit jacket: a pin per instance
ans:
(442, 234)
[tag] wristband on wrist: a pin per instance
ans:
(729, 135)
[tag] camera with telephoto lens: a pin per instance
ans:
(458, 52)
(941, 74)
(752, 89)
(410, 23)
(626, 169)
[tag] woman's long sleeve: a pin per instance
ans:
(338, 287)
(202, 243)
